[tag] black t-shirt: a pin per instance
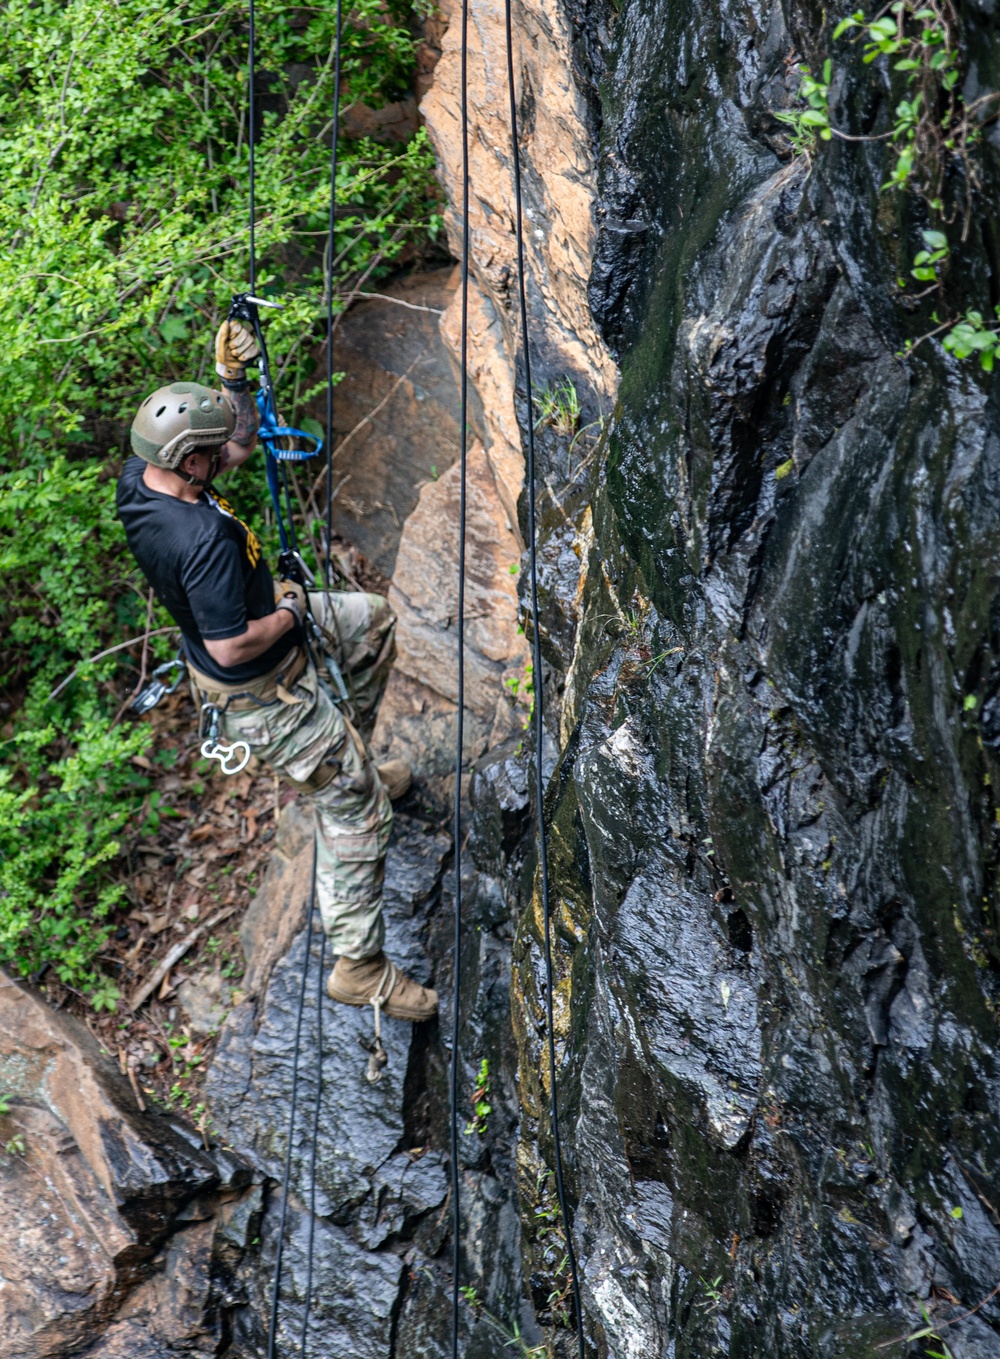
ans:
(205, 567)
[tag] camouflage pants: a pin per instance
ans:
(310, 743)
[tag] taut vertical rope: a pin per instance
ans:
(272, 1331)
(251, 116)
(329, 294)
(539, 693)
(296, 1047)
(457, 829)
(317, 1105)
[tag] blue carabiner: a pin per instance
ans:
(270, 432)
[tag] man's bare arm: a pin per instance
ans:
(261, 633)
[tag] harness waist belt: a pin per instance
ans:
(251, 693)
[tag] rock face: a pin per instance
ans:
(379, 1183)
(773, 823)
(769, 627)
(418, 716)
(395, 411)
(107, 1235)
(771, 816)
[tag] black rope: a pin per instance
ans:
(251, 114)
(329, 294)
(315, 1132)
(536, 647)
(296, 1047)
(276, 1284)
(457, 831)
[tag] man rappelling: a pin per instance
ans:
(249, 644)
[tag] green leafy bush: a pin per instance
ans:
(934, 143)
(123, 235)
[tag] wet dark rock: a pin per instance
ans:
(372, 1186)
(106, 1206)
(772, 826)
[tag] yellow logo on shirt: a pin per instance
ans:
(253, 542)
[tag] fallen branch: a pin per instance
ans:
(174, 956)
(413, 306)
(133, 641)
(133, 1081)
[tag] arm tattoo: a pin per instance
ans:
(247, 417)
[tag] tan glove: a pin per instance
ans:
(235, 347)
(288, 594)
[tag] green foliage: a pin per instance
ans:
(123, 227)
(813, 121)
(60, 823)
(925, 261)
(558, 406)
(712, 1293)
(973, 336)
(917, 40)
(481, 1106)
(934, 130)
(125, 194)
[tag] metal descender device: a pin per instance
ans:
(150, 695)
(232, 758)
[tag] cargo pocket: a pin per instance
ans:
(359, 866)
(359, 849)
(324, 774)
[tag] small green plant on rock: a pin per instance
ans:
(712, 1293)
(972, 335)
(813, 121)
(559, 406)
(926, 261)
(480, 1102)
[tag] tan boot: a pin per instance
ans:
(397, 778)
(362, 981)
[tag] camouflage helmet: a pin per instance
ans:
(181, 419)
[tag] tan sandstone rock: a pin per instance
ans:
(558, 172)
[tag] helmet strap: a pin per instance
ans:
(192, 480)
